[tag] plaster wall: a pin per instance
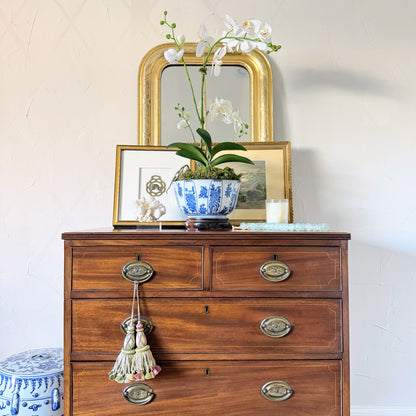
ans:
(344, 94)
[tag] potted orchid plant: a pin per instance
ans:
(252, 34)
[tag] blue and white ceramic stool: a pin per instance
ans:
(31, 383)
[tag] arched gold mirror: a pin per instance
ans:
(246, 80)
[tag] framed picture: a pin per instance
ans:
(269, 178)
(145, 172)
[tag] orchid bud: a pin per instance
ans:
(181, 40)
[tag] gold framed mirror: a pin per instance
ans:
(259, 94)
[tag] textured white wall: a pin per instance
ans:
(344, 94)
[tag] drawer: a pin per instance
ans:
(174, 267)
(311, 268)
(211, 326)
(213, 388)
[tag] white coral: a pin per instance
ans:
(149, 211)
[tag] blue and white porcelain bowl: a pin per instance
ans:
(32, 382)
(206, 198)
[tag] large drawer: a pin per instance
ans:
(311, 268)
(175, 267)
(214, 388)
(212, 326)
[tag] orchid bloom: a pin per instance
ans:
(180, 39)
(204, 42)
(184, 122)
(173, 56)
(231, 24)
(217, 60)
(252, 27)
(265, 33)
(220, 106)
(238, 123)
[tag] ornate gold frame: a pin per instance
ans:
(261, 91)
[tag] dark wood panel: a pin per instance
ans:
(312, 268)
(231, 389)
(99, 268)
(228, 326)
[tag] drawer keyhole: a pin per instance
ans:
(206, 308)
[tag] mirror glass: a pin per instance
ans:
(233, 84)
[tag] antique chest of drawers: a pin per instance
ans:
(243, 323)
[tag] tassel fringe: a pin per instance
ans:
(122, 370)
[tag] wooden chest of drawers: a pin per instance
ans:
(244, 323)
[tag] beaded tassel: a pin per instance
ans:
(122, 370)
(143, 365)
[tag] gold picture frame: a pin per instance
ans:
(134, 166)
(149, 91)
(272, 171)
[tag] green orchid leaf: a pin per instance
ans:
(191, 152)
(226, 146)
(230, 158)
(206, 137)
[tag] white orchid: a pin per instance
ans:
(218, 107)
(180, 41)
(217, 60)
(265, 33)
(252, 34)
(238, 123)
(204, 42)
(184, 122)
(251, 27)
(232, 26)
(173, 56)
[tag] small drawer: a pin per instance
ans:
(231, 388)
(265, 328)
(275, 268)
(174, 268)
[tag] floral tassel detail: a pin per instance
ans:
(144, 365)
(122, 370)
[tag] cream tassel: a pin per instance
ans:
(122, 369)
(143, 365)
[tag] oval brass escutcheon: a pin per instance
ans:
(138, 393)
(137, 271)
(277, 391)
(275, 326)
(146, 322)
(275, 271)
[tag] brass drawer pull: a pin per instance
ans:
(277, 391)
(275, 270)
(275, 326)
(137, 271)
(138, 393)
(146, 322)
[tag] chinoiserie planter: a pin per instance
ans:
(207, 202)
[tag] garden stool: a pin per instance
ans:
(31, 383)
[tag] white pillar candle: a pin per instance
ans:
(273, 211)
(284, 206)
